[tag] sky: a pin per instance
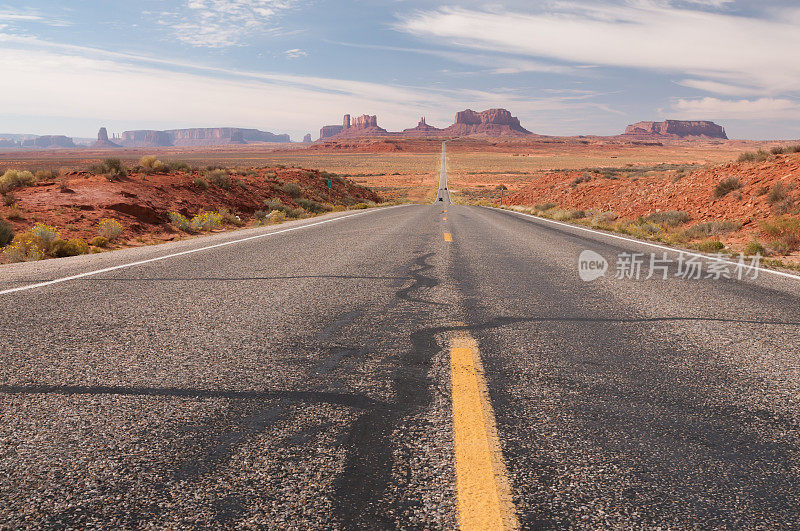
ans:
(564, 67)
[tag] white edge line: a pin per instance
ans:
(182, 253)
(649, 244)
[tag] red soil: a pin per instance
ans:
(694, 193)
(142, 202)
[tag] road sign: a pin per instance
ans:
(330, 183)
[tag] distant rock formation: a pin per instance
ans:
(492, 122)
(211, 136)
(677, 128)
(328, 131)
(422, 128)
(102, 140)
(362, 126)
(8, 143)
(48, 142)
(307, 139)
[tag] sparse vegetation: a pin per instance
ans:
(13, 179)
(150, 164)
(219, 178)
(726, 186)
(277, 216)
(784, 234)
(99, 241)
(311, 206)
(73, 247)
(710, 246)
(754, 156)
(229, 217)
(585, 178)
(755, 248)
(200, 183)
(670, 218)
(711, 228)
(6, 233)
(46, 235)
(110, 229)
(111, 168)
(206, 221)
(180, 222)
(25, 247)
(293, 190)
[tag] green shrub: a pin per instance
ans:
(277, 216)
(206, 221)
(567, 215)
(230, 218)
(73, 247)
(99, 241)
(726, 186)
(176, 165)
(312, 206)
(293, 190)
(45, 175)
(784, 234)
(46, 235)
(585, 178)
(110, 229)
(777, 194)
(180, 222)
(6, 233)
(754, 247)
(604, 218)
(25, 247)
(219, 178)
(670, 218)
(13, 179)
(710, 246)
(712, 228)
(544, 206)
(754, 156)
(359, 206)
(150, 164)
(200, 183)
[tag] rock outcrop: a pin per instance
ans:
(49, 142)
(363, 125)
(307, 139)
(211, 136)
(102, 140)
(422, 128)
(492, 122)
(328, 131)
(677, 128)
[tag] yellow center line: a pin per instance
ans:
(484, 494)
(448, 237)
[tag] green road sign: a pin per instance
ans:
(330, 183)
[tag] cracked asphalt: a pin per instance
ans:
(302, 380)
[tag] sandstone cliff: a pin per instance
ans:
(210, 136)
(677, 128)
(49, 142)
(492, 122)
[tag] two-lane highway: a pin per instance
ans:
(416, 366)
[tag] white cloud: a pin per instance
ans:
(223, 23)
(716, 87)
(86, 84)
(639, 34)
(757, 109)
(295, 53)
(29, 15)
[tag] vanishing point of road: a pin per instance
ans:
(420, 366)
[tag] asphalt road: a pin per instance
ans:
(302, 379)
